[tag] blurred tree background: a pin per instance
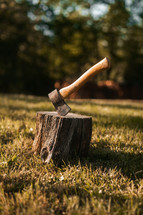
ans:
(42, 41)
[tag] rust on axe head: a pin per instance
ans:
(59, 103)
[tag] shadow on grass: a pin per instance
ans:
(105, 120)
(7, 137)
(130, 164)
(118, 121)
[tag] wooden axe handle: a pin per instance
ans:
(102, 65)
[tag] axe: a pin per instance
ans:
(57, 96)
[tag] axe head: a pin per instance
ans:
(61, 107)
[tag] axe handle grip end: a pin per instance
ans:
(94, 70)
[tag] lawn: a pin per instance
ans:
(108, 181)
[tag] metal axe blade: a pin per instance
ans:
(59, 103)
(57, 96)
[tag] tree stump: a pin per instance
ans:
(60, 137)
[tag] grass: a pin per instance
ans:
(108, 181)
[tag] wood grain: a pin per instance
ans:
(60, 137)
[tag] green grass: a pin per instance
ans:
(108, 181)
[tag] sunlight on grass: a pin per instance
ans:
(108, 181)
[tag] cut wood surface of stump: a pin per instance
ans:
(61, 137)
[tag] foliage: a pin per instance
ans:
(23, 61)
(108, 181)
(43, 41)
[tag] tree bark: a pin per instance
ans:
(60, 137)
